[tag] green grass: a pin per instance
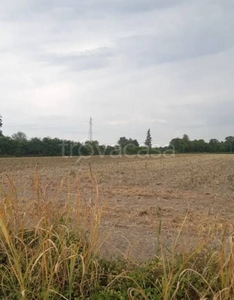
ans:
(50, 251)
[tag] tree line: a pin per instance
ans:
(185, 145)
(19, 145)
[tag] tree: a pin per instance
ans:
(91, 148)
(128, 146)
(178, 144)
(198, 145)
(35, 147)
(19, 136)
(186, 143)
(148, 141)
(123, 141)
(185, 138)
(213, 145)
(0, 125)
(51, 147)
(20, 144)
(229, 140)
(7, 146)
(134, 142)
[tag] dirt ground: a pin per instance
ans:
(140, 195)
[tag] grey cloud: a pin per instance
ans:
(135, 84)
(130, 6)
(79, 8)
(215, 114)
(193, 40)
(79, 61)
(203, 115)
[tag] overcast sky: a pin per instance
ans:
(167, 65)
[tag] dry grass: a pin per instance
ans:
(48, 240)
(57, 217)
(138, 193)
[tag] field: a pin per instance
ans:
(193, 194)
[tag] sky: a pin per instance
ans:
(131, 65)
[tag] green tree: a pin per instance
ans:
(51, 147)
(7, 146)
(91, 148)
(123, 141)
(198, 146)
(177, 144)
(19, 136)
(35, 147)
(229, 141)
(186, 138)
(134, 142)
(0, 125)
(186, 143)
(148, 141)
(214, 145)
(128, 146)
(20, 144)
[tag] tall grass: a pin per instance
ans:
(50, 250)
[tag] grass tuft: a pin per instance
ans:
(50, 250)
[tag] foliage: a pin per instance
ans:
(0, 125)
(19, 136)
(186, 138)
(185, 145)
(123, 141)
(19, 145)
(148, 141)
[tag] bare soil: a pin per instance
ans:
(143, 197)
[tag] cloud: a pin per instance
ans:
(197, 35)
(131, 65)
(85, 60)
(132, 121)
(71, 9)
(215, 114)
